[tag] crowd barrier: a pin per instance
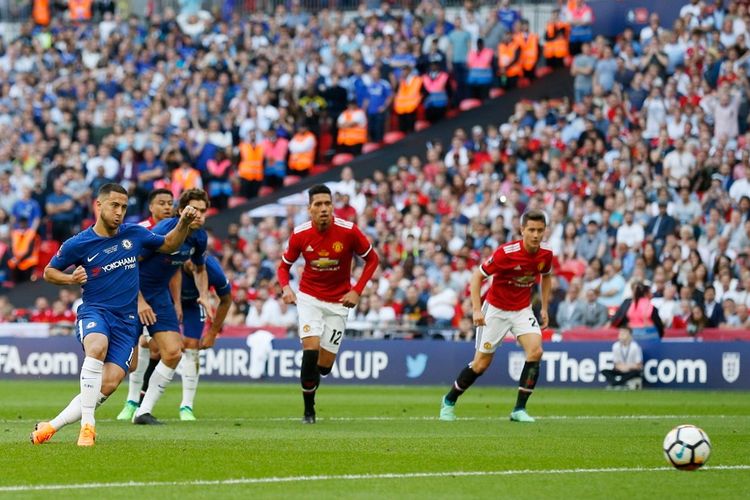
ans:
(674, 365)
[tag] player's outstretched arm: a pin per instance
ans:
(174, 239)
(57, 277)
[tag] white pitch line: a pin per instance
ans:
(415, 418)
(346, 477)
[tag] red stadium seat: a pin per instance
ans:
(393, 137)
(496, 92)
(421, 125)
(523, 83)
(452, 113)
(212, 211)
(236, 201)
(319, 169)
(342, 158)
(468, 104)
(370, 147)
(265, 191)
(291, 179)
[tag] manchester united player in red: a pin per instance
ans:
(328, 245)
(515, 267)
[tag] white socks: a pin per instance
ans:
(135, 379)
(91, 385)
(72, 412)
(159, 381)
(190, 374)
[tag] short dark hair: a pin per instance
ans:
(318, 189)
(193, 194)
(111, 187)
(156, 192)
(536, 215)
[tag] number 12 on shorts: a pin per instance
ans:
(336, 337)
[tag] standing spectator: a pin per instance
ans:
(605, 70)
(219, 170)
(26, 209)
(436, 85)
(509, 61)
(640, 315)
(377, 100)
(460, 43)
(61, 209)
(507, 16)
(184, 178)
(582, 70)
(529, 43)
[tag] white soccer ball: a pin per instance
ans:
(687, 447)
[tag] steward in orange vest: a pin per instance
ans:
(407, 100)
(352, 125)
(509, 61)
(79, 10)
(529, 43)
(25, 244)
(250, 168)
(40, 12)
(302, 150)
(556, 44)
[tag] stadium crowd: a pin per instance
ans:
(643, 174)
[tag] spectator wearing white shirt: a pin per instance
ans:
(441, 306)
(686, 210)
(653, 29)
(678, 163)
(740, 187)
(668, 305)
(630, 233)
(103, 159)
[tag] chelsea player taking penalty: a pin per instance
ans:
(105, 257)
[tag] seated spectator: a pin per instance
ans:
(570, 311)
(595, 315)
(627, 357)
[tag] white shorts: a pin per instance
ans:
(321, 319)
(499, 322)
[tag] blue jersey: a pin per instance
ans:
(111, 264)
(216, 279)
(157, 269)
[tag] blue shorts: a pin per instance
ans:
(166, 317)
(121, 330)
(193, 320)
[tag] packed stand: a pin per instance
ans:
(237, 104)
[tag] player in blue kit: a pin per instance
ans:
(156, 308)
(105, 257)
(193, 321)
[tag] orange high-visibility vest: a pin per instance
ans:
(186, 179)
(302, 160)
(529, 51)
(25, 244)
(556, 40)
(408, 95)
(351, 136)
(251, 162)
(80, 10)
(506, 54)
(40, 12)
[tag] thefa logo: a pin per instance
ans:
(338, 247)
(730, 366)
(516, 360)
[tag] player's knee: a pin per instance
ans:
(535, 353)
(109, 386)
(171, 356)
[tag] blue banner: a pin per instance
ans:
(611, 18)
(695, 365)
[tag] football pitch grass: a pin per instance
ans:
(376, 442)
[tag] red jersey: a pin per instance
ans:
(148, 223)
(515, 273)
(328, 257)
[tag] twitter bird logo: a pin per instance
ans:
(415, 365)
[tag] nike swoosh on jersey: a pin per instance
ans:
(89, 259)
